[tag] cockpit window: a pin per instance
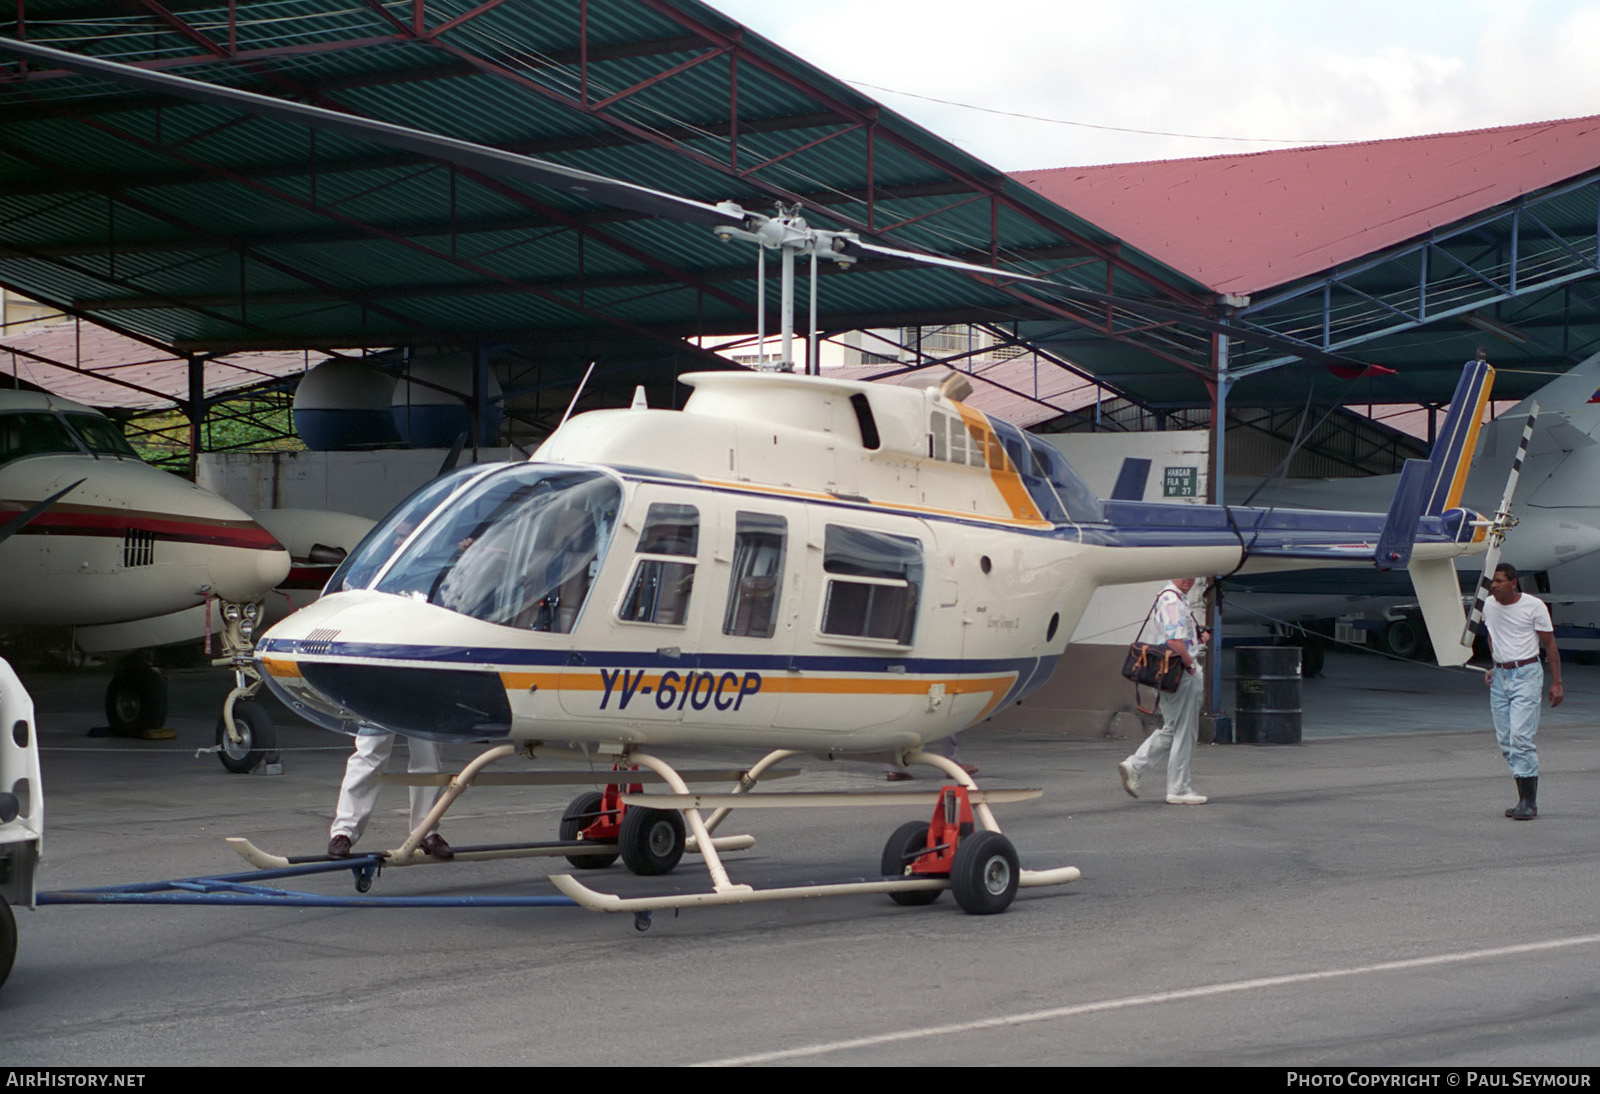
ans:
(35, 433)
(1035, 477)
(1075, 494)
(661, 586)
(520, 548)
(101, 435)
(391, 533)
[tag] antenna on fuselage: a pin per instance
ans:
(576, 395)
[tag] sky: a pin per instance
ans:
(1265, 75)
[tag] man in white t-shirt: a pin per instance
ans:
(1518, 624)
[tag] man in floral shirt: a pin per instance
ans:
(1180, 710)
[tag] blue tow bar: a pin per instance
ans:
(244, 890)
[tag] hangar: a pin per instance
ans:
(1188, 286)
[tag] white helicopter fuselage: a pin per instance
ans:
(789, 562)
(128, 542)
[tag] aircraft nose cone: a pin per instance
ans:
(272, 567)
(251, 571)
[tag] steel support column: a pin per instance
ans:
(1215, 494)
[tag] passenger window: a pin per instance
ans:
(659, 592)
(875, 591)
(757, 576)
(958, 440)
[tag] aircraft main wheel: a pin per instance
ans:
(651, 840)
(136, 699)
(8, 939)
(1403, 638)
(260, 738)
(984, 873)
(580, 813)
(903, 845)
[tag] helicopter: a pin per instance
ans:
(807, 565)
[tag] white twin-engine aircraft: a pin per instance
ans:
(93, 537)
(807, 565)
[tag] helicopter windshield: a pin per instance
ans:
(391, 533)
(519, 547)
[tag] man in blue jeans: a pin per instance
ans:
(1518, 624)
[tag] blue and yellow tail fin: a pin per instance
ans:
(1452, 451)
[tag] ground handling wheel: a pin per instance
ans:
(651, 840)
(260, 738)
(984, 873)
(904, 847)
(136, 699)
(580, 813)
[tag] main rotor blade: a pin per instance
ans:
(609, 191)
(30, 514)
(1195, 316)
(864, 248)
(479, 157)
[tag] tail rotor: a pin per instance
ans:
(1502, 523)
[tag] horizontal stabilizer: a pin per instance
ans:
(1439, 596)
(1400, 526)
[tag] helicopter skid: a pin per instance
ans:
(811, 799)
(586, 897)
(936, 869)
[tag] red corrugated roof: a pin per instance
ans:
(96, 357)
(1241, 224)
(1001, 388)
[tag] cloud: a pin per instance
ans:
(1360, 70)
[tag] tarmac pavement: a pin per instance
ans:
(1357, 899)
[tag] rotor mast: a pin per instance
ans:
(789, 235)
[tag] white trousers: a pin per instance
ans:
(359, 793)
(1180, 726)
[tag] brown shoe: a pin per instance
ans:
(339, 847)
(436, 847)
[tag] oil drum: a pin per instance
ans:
(1267, 695)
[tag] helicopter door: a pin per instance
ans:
(866, 616)
(750, 618)
(637, 652)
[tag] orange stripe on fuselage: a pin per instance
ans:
(996, 686)
(878, 503)
(1001, 472)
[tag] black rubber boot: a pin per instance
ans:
(1528, 807)
(1521, 797)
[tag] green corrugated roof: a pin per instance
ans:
(199, 227)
